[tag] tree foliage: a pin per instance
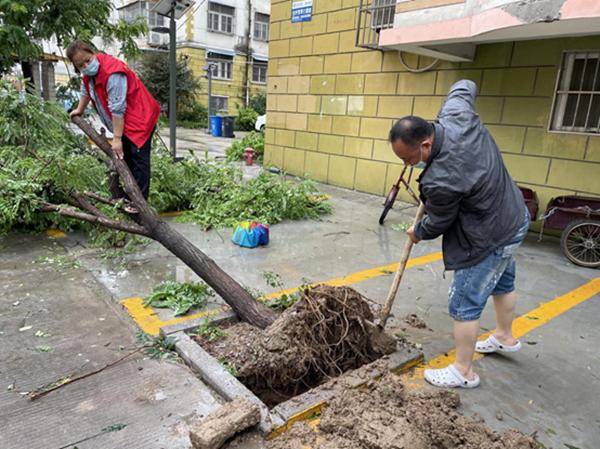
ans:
(25, 23)
(154, 72)
(254, 140)
(258, 102)
(43, 161)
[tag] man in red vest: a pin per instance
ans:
(124, 105)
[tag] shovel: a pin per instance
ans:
(387, 308)
(379, 338)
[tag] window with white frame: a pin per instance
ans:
(132, 11)
(576, 105)
(219, 104)
(155, 20)
(220, 18)
(259, 72)
(261, 27)
(222, 65)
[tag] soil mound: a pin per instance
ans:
(385, 416)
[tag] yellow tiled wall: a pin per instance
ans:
(234, 88)
(330, 104)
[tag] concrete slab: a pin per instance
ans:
(57, 321)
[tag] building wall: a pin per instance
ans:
(194, 39)
(233, 89)
(331, 104)
(196, 27)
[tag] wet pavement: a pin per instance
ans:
(57, 321)
(546, 388)
(200, 142)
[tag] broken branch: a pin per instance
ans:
(94, 219)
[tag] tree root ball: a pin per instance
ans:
(327, 332)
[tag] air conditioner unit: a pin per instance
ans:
(158, 39)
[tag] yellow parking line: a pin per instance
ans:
(55, 233)
(521, 326)
(151, 324)
(144, 316)
(364, 275)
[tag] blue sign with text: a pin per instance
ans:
(302, 11)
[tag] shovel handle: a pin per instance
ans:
(387, 308)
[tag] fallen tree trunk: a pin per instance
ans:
(151, 225)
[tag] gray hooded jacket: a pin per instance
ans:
(469, 196)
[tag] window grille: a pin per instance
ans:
(576, 106)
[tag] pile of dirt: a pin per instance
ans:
(324, 334)
(386, 416)
(414, 320)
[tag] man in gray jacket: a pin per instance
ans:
(473, 203)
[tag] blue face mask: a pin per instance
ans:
(421, 163)
(92, 68)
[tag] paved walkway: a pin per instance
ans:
(200, 142)
(56, 320)
(546, 388)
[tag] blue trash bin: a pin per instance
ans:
(216, 125)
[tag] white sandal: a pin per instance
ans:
(491, 344)
(449, 377)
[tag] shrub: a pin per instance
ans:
(258, 102)
(254, 140)
(246, 119)
(194, 117)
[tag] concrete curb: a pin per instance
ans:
(220, 380)
(224, 317)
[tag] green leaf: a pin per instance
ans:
(114, 428)
(179, 297)
(43, 348)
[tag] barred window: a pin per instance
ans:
(223, 66)
(261, 27)
(576, 105)
(259, 72)
(220, 18)
(219, 104)
(382, 13)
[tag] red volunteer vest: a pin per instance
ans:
(142, 110)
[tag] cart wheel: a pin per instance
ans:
(580, 241)
(389, 202)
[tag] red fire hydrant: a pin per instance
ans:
(249, 155)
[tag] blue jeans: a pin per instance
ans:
(494, 275)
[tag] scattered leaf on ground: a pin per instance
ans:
(43, 348)
(180, 297)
